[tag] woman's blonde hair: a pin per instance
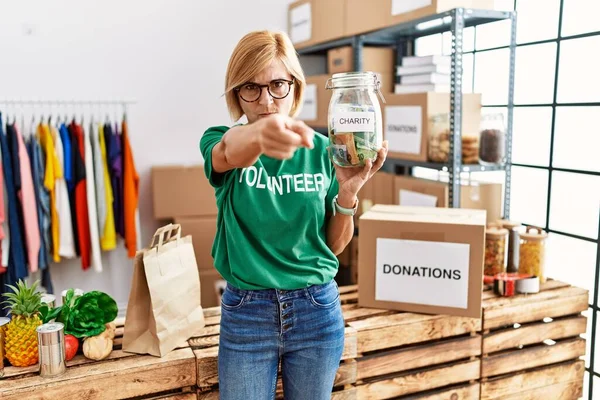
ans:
(254, 53)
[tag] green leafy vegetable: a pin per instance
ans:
(85, 315)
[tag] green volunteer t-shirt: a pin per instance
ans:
(271, 223)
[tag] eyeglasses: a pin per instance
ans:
(278, 89)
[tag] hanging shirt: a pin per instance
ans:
(67, 155)
(63, 205)
(77, 169)
(96, 257)
(28, 202)
(130, 195)
(52, 169)
(11, 137)
(108, 240)
(98, 177)
(42, 199)
(17, 268)
(3, 224)
(81, 200)
(115, 165)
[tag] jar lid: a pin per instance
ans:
(4, 321)
(495, 232)
(353, 80)
(505, 223)
(533, 233)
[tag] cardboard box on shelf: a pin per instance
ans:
(377, 190)
(365, 16)
(316, 101)
(315, 21)
(408, 10)
(376, 59)
(422, 259)
(202, 230)
(211, 288)
(406, 121)
(182, 191)
(483, 196)
(410, 191)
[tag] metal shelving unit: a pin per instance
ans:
(402, 37)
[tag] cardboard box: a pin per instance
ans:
(376, 59)
(316, 101)
(211, 288)
(315, 21)
(483, 196)
(364, 16)
(406, 121)
(377, 190)
(408, 10)
(202, 230)
(182, 191)
(422, 259)
(409, 191)
(429, 193)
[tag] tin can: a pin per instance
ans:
(78, 292)
(51, 348)
(49, 300)
(3, 322)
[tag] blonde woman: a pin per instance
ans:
(284, 214)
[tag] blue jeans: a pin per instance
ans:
(303, 328)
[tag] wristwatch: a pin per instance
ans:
(344, 210)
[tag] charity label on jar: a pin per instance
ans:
(354, 139)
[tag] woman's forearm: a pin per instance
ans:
(340, 229)
(239, 148)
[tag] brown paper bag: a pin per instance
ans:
(164, 308)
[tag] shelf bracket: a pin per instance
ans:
(456, 77)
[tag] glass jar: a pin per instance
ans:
(513, 228)
(532, 252)
(438, 148)
(492, 139)
(496, 250)
(354, 118)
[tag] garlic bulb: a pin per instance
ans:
(98, 347)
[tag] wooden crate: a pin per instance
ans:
(531, 343)
(122, 375)
(401, 354)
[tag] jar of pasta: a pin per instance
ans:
(354, 118)
(532, 252)
(496, 250)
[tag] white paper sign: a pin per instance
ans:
(410, 198)
(301, 23)
(309, 108)
(403, 128)
(404, 6)
(354, 122)
(422, 272)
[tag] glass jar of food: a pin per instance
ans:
(496, 250)
(492, 139)
(513, 228)
(354, 118)
(532, 252)
(438, 148)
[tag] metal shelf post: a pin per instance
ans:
(456, 76)
(510, 112)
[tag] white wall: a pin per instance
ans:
(170, 56)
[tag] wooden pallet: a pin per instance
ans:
(531, 344)
(122, 375)
(401, 354)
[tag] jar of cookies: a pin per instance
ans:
(532, 252)
(496, 250)
(438, 148)
(354, 118)
(492, 139)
